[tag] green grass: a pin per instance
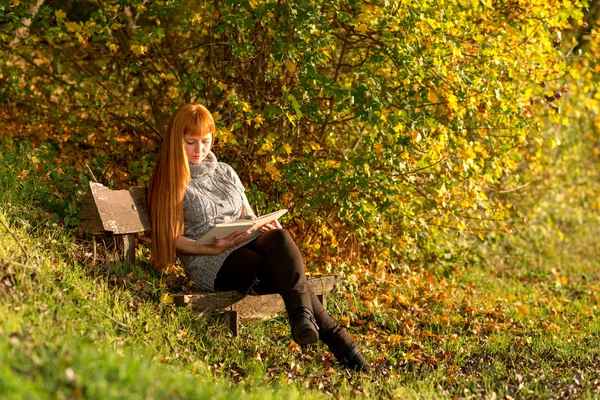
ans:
(523, 322)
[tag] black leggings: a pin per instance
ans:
(272, 263)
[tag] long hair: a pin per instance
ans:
(169, 181)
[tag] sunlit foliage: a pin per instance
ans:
(387, 128)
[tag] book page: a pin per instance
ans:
(224, 230)
(264, 219)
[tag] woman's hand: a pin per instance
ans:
(186, 245)
(220, 245)
(270, 226)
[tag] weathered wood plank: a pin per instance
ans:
(248, 306)
(88, 215)
(120, 211)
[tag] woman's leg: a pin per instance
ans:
(273, 264)
(246, 270)
(240, 271)
(284, 268)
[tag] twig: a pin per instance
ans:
(119, 323)
(514, 189)
(91, 173)
(507, 190)
(16, 240)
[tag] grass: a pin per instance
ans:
(522, 322)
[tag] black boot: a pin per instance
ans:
(303, 325)
(345, 349)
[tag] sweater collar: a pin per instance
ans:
(205, 168)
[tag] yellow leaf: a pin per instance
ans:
(383, 116)
(138, 49)
(253, 3)
(267, 146)
(287, 148)
(258, 120)
(166, 299)
(290, 66)
(172, 92)
(362, 28)
(222, 86)
(453, 102)
(432, 97)
(314, 145)
(226, 136)
(73, 27)
(196, 19)
(274, 172)
(60, 15)
(291, 118)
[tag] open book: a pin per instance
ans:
(225, 229)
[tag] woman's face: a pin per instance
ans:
(197, 147)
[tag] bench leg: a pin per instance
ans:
(126, 246)
(230, 318)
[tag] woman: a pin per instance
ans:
(189, 192)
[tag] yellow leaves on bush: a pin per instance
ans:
(226, 137)
(173, 92)
(222, 86)
(170, 77)
(461, 226)
(361, 28)
(74, 27)
(291, 118)
(60, 15)
(196, 19)
(138, 49)
(467, 153)
(332, 164)
(266, 147)
(329, 233)
(258, 121)
(452, 102)
(273, 172)
(246, 107)
(290, 66)
(314, 145)
(432, 97)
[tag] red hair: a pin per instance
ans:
(169, 181)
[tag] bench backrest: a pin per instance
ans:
(115, 211)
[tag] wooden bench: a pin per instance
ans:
(121, 214)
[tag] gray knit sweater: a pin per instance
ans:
(215, 194)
